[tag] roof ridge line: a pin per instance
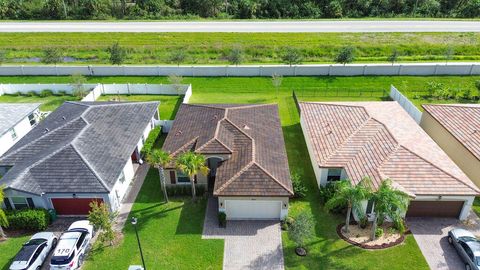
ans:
(273, 177)
(447, 173)
(185, 145)
(43, 135)
(90, 167)
(235, 176)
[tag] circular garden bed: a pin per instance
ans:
(361, 237)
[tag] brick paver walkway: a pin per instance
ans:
(431, 237)
(248, 244)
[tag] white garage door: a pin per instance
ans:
(248, 209)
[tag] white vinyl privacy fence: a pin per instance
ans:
(406, 104)
(413, 69)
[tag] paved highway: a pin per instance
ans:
(245, 26)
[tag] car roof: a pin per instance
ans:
(42, 235)
(81, 224)
(462, 233)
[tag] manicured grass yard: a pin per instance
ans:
(9, 248)
(168, 104)
(170, 235)
(48, 103)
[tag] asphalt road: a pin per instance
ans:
(245, 26)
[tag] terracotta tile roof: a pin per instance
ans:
(462, 121)
(380, 140)
(252, 137)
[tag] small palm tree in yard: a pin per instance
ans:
(192, 164)
(3, 217)
(351, 196)
(389, 202)
(159, 159)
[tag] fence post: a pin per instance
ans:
(23, 72)
(471, 69)
(260, 71)
(226, 71)
(329, 68)
(364, 68)
(295, 70)
(158, 70)
(123, 67)
(399, 69)
(436, 67)
(193, 71)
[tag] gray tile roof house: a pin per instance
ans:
(248, 139)
(16, 120)
(82, 147)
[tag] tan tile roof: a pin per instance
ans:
(250, 134)
(380, 140)
(462, 121)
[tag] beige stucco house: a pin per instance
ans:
(245, 153)
(379, 140)
(456, 128)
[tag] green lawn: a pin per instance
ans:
(9, 248)
(212, 48)
(168, 104)
(170, 235)
(48, 103)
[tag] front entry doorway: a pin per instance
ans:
(212, 164)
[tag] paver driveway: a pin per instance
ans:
(431, 237)
(248, 244)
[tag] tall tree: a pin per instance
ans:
(291, 56)
(159, 159)
(3, 217)
(118, 54)
(345, 55)
(176, 81)
(78, 85)
(192, 164)
(352, 196)
(52, 56)
(388, 202)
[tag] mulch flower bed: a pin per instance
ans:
(398, 241)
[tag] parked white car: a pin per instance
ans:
(72, 246)
(34, 252)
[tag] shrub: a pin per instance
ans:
(185, 190)
(299, 189)
(16, 94)
(301, 229)
(101, 219)
(28, 219)
(222, 219)
(327, 191)
(46, 93)
(399, 225)
(363, 222)
(378, 232)
(150, 141)
(29, 94)
(61, 93)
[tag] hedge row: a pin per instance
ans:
(150, 141)
(28, 219)
(185, 190)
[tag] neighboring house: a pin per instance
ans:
(379, 140)
(83, 151)
(245, 152)
(16, 120)
(456, 128)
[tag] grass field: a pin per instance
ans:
(260, 89)
(9, 248)
(168, 104)
(48, 103)
(212, 48)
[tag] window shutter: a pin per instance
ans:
(31, 205)
(7, 203)
(173, 178)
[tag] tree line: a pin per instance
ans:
(236, 9)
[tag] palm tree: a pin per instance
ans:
(352, 196)
(159, 159)
(191, 164)
(3, 217)
(388, 202)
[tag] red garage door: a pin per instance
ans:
(71, 206)
(435, 209)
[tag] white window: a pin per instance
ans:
(13, 134)
(334, 174)
(19, 202)
(182, 178)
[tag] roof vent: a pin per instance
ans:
(178, 133)
(46, 130)
(64, 118)
(246, 127)
(215, 117)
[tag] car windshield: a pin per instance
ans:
(35, 242)
(467, 238)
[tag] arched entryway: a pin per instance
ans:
(212, 163)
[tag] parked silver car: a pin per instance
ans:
(34, 252)
(467, 246)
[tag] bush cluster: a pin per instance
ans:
(185, 190)
(28, 219)
(222, 219)
(441, 91)
(150, 141)
(299, 188)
